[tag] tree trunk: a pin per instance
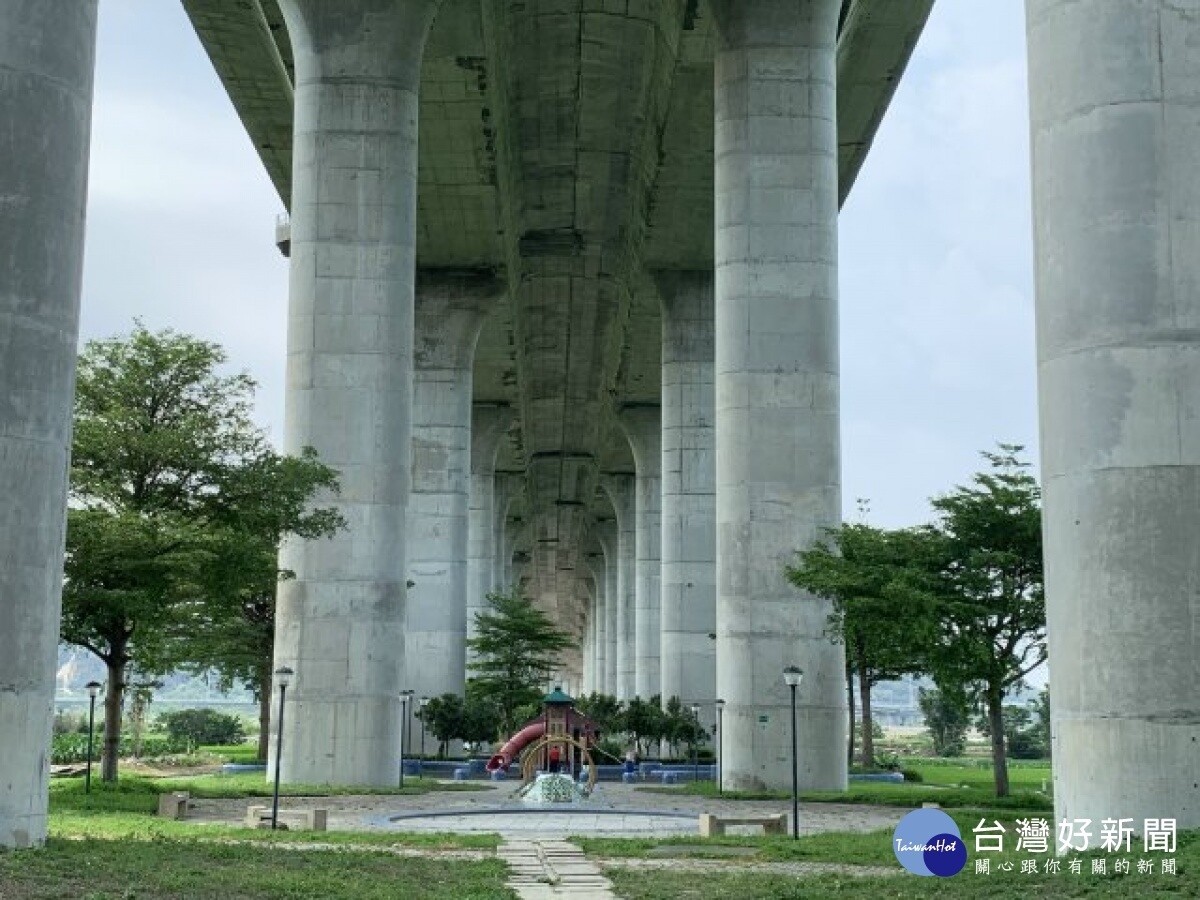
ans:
(113, 696)
(995, 699)
(850, 704)
(264, 713)
(864, 693)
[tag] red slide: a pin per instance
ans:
(515, 745)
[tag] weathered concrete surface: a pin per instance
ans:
(47, 53)
(598, 621)
(489, 425)
(643, 427)
(621, 493)
(606, 533)
(1115, 108)
(689, 596)
(349, 378)
(776, 376)
(450, 309)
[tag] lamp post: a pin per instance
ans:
(405, 696)
(720, 739)
(695, 745)
(283, 677)
(93, 688)
(792, 676)
(421, 715)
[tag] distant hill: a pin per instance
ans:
(76, 667)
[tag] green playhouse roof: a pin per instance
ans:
(557, 696)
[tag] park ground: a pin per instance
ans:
(110, 846)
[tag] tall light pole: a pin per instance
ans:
(405, 696)
(695, 745)
(792, 677)
(283, 677)
(421, 715)
(720, 739)
(93, 688)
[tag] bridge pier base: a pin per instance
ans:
(776, 383)
(349, 378)
(1114, 91)
(47, 53)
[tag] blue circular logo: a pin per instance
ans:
(928, 842)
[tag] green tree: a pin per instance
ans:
(603, 709)
(231, 630)
(868, 574)
(193, 727)
(644, 722)
(991, 605)
(946, 718)
(516, 649)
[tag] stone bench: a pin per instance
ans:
(173, 805)
(714, 826)
(289, 819)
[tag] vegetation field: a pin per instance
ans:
(189, 870)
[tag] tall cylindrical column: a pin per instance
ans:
(643, 428)
(689, 547)
(776, 382)
(489, 424)
(450, 309)
(621, 492)
(1114, 94)
(47, 53)
(606, 534)
(349, 377)
(598, 621)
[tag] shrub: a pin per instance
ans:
(72, 748)
(192, 727)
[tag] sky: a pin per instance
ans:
(935, 243)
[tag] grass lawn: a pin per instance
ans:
(185, 870)
(126, 810)
(951, 785)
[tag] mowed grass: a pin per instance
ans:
(185, 870)
(126, 811)
(952, 786)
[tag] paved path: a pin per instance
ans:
(543, 869)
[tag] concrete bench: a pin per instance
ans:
(714, 826)
(289, 819)
(173, 805)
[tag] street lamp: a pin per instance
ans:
(421, 715)
(283, 677)
(792, 677)
(720, 740)
(405, 696)
(695, 745)
(93, 688)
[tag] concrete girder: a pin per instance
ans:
(47, 55)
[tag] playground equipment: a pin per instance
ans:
(559, 727)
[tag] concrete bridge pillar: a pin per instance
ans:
(349, 377)
(689, 598)
(643, 428)
(598, 620)
(508, 487)
(621, 492)
(489, 424)
(450, 309)
(776, 383)
(606, 534)
(1114, 93)
(47, 53)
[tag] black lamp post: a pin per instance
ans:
(283, 677)
(93, 688)
(405, 696)
(792, 676)
(421, 715)
(720, 739)
(695, 745)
